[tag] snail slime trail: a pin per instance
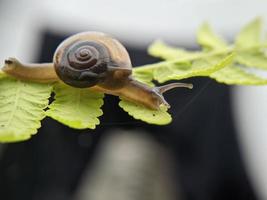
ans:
(97, 61)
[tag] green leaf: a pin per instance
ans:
(169, 70)
(208, 39)
(2, 74)
(250, 35)
(234, 74)
(22, 107)
(76, 108)
(164, 51)
(144, 77)
(252, 59)
(158, 117)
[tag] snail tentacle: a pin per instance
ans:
(164, 88)
(43, 73)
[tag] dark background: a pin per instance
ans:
(202, 137)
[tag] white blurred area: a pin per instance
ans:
(138, 23)
(130, 165)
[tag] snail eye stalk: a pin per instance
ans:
(165, 88)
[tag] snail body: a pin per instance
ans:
(97, 61)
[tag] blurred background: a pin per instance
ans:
(215, 148)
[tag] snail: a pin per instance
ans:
(97, 61)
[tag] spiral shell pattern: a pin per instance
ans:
(82, 63)
(84, 60)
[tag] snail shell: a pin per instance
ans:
(86, 59)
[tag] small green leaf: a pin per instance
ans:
(164, 51)
(2, 74)
(252, 59)
(168, 70)
(200, 67)
(144, 77)
(234, 74)
(158, 117)
(22, 107)
(208, 39)
(182, 64)
(175, 71)
(76, 108)
(250, 35)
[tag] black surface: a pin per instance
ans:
(202, 137)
